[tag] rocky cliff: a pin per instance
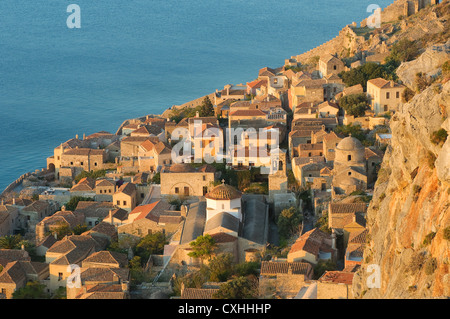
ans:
(408, 218)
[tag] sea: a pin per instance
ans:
(130, 58)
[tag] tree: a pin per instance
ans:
(322, 266)
(404, 50)
(238, 288)
(92, 174)
(288, 222)
(32, 290)
(63, 229)
(150, 245)
(362, 74)
(10, 242)
(221, 267)
(79, 229)
(322, 223)
(156, 179)
(203, 247)
(207, 108)
(354, 104)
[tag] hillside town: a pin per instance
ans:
(263, 185)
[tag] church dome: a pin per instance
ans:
(349, 144)
(223, 192)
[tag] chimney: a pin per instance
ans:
(22, 247)
(391, 83)
(14, 201)
(309, 110)
(125, 286)
(111, 218)
(76, 136)
(63, 208)
(182, 288)
(333, 239)
(55, 235)
(289, 270)
(197, 114)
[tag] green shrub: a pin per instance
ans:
(428, 238)
(439, 137)
(430, 266)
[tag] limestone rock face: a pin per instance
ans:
(411, 205)
(428, 62)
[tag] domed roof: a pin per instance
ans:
(181, 168)
(224, 192)
(349, 144)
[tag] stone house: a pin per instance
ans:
(313, 246)
(355, 248)
(152, 156)
(105, 259)
(328, 109)
(335, 285)
(104, 190)
(146, 219)
(102, 283)
(51, 223)
(330, 64)
(10, 220)
(283, 279)
(17, 273)
(310, 150)
(68, 251)
(345, 218)
(116, 217)
(85, 188)
(185, 180)
(384, 95)
(306, 90)
(84, 159)
(129, 146)
(37, 211)
(126, 197)
(330, 142)
(93, 212)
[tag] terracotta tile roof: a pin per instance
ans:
(19, 202)
(312, 242)
(157, 212)
(223, 238)
(327, 103)
(85, 184)
(282, 267)
(94, 209)
(383, 84)
(48, 241)
(310, 147)
(103, 228)
(120, 214)
(358, 237)
(9, 255)
(249, 113)
(37, 206)
(343, 208)
(13, 273)
(104, 183)
(107, 274)
(127, 188)
(337, 277)
(107, 257)
(84, 152)
(256, 83)
(198, 293)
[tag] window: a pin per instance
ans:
(186, 191)
(385, 108)
(60, 276)
(101, 191)
(177, 190)
(142, 195)
(124, 203)
(335, 67)
(397, 94)
(95, 164)
(204, 177)
(387, 95)
(109, 191)
(81, 163)
(349, 173)
(349, 157)
(118, 202)
(71, 163)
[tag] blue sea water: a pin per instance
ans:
(136, 57)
